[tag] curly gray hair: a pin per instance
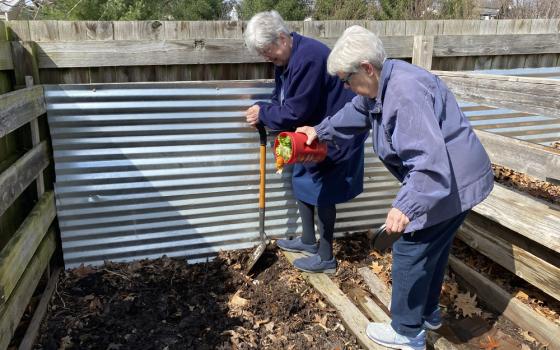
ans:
(264, 29)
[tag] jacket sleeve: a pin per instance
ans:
(351, 120)
(304, 92)
(419, 143)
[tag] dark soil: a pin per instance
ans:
(167, 304)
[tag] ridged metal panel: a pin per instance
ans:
(149, 169)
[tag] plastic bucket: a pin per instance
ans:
(301, 152)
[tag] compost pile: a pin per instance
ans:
(167, 304)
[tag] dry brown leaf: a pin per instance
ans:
(237, 301)
(269, 326)
(259, 323)
(466, 304)
(83, 271)
(376, 267)
(95, 305)
(491, 344)
(375, 254)
(308, 337)
(321, 304)
(452, 289)
(521, 295)
(322, 321)
(528, 337)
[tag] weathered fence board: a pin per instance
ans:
(531, 95)
(17, 254)
(496, 242)
(21, 174)
(11, 314)
(521, 213)
(20, 107)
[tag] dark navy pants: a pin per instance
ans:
(419, 262)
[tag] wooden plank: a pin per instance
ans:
(377, 27)
(495, 242)
(434, 27)
(44, 30)
(21, 174)
(352, 318)
(20, 107)
(521, 213)
(18, 302)
(529, 158)
(485, 27)
(498, 299)
(376, 286)
(16, 255)
(415, 27)
(395, 28)
(335, 28)
(24, 57)
(511, 44)
(171, 52)
(523, 94)
(18, 31)
(35, 140)
(314, 29)
(32, 331)
(6, 56)
(422, 51)
(85, 30)
(369, 307)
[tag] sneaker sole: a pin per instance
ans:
(395, 346)
(400, 347)
(327, 271)
(431, 326)
(304, 252)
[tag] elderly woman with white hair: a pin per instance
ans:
(427, 143)
(305, 94)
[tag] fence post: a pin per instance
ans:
(24, 56)
(422, 51)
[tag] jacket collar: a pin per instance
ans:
(384, 77)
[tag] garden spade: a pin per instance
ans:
(257, 253)
(380, 240)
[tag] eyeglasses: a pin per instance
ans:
(346, 80)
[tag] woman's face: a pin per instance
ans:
(363, 82)
(279, 52)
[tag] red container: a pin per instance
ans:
(301, 152)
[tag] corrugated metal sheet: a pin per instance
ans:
(149, 169)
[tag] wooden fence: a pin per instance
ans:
(171, 51)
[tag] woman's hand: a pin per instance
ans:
(252, 115)
(309, 131)
(396, 221)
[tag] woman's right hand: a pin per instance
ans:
(310, 132)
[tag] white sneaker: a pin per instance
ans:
(384, 334)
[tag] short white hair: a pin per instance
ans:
(355, 46)
(264, 29)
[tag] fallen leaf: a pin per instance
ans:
(65, 342)
(522, 296)
(308, 337)
(322, 321)
(490, 345)
(528, 336)
(237, 301)
(83, 271)
(269, 326)
(376, 267)
(466, 304)
(259, 323)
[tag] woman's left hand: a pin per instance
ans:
(396, 221)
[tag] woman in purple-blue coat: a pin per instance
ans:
(305, 94)
(424, 139)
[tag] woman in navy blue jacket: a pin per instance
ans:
(305, 94)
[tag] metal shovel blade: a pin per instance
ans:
(381, 240)
(257, 253)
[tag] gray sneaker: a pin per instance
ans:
(384, 334)
(296, 245)
(315, 264)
